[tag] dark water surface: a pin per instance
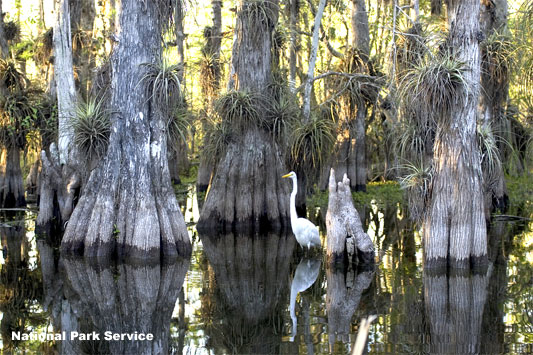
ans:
(241, 294)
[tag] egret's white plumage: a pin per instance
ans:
(305, 232)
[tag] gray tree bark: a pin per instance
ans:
(493, 98)
(59, 178)
(454, 225)
(346, 237)
(246, 190)
(128, 206)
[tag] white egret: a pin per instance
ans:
(305, 232)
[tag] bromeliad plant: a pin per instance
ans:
(91, 125)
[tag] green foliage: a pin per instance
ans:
(498, 57)
(13, 79)
(437, 84)
(162, 84)
(416, 181)
(218, 135)
(311, 141)
(91, 125)
(381, 193)
(210, 71)
(43, 47)
(260, 11)
(520, 191)
(178, 127)
(490, 153)
(241, 110)
(18, 114)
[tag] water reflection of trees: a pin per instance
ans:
(122, 298)
(20, 287)
(242, 307)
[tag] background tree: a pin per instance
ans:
(246, 188)
(128, 206)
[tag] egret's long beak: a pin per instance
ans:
(286, 175)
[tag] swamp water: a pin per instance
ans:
(241, 294)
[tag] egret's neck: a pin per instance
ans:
(294, 216)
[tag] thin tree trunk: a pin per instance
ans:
(312, 60)
(212, 48)
(454, 226)
(128, 206)
(494, 94)
(294, 11)
(59, 178)
(246, 190)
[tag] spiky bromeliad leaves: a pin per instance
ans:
(17, 117)
(311, 140)
(12, 77)
(162, 83)
(241, 109)
(437, 84)
(91, 125)
(497, 57)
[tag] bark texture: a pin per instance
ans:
(493, 98)
(64, 79)
(211, 88)
(59, 178)
(128, 206)
(11, 185)
(246, 190)
(454, 225)
(346, 237)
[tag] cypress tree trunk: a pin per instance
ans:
(128, 206)
(210, 90)
(59, 178)
(11, 185)
(246, 188)
(351, 154)
(494, 94)
(454, 225)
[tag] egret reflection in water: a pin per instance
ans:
(304, 277)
